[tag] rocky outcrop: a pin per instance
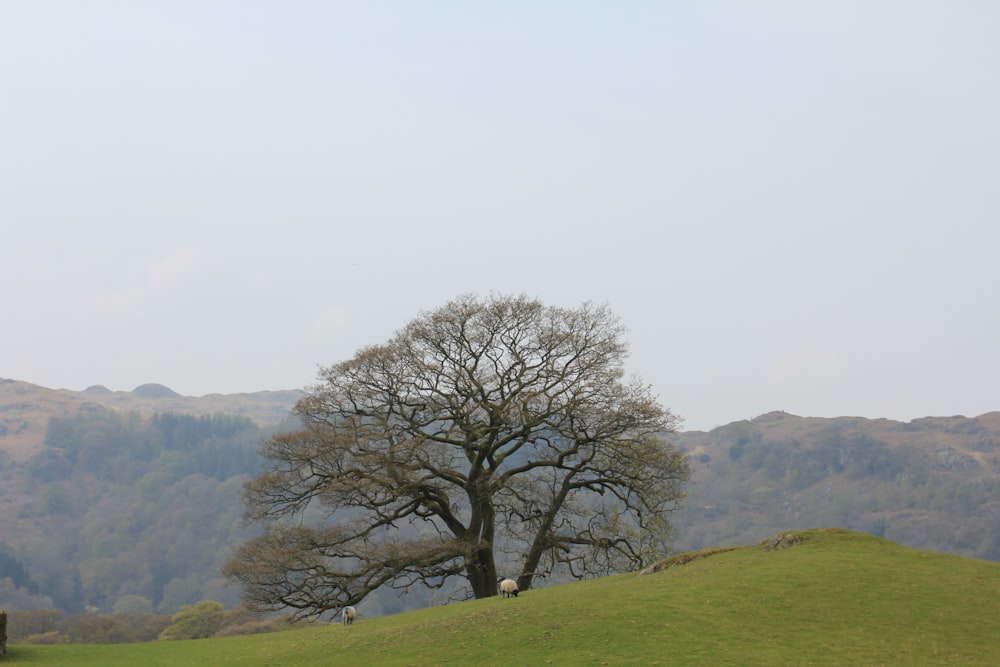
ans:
(947, 458)
(781, 541)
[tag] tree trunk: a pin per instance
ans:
(530, 563)
(541, 541)
(480, 566)
(481, 571)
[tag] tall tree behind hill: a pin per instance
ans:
(496, 424)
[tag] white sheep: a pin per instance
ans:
(348, 615)
(508, 587)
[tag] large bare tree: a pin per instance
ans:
(494, 429)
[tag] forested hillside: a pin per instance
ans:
(129, 500)
(931, 483)
(118, 504)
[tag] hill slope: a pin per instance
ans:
(835, 598)
(931, 483)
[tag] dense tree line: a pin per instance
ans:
(120, 504)
(12, 569)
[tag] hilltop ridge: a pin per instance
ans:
(25, 408)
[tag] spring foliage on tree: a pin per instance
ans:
(195, 621)
(489, 434)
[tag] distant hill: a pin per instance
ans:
(106, 494)
(25, 408)
(932, 483)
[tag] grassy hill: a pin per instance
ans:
(830, 597)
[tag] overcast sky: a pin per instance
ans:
(791, 205)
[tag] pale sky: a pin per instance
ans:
(791, 205)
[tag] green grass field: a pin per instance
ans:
(838, 598)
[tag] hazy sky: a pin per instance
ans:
(791, 205)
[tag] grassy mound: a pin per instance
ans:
(818, 597)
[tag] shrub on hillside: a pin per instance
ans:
(195, 622)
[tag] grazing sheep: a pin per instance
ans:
(348, 615)
(508, 587)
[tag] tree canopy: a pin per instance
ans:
(494, 434)
(195, 621)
